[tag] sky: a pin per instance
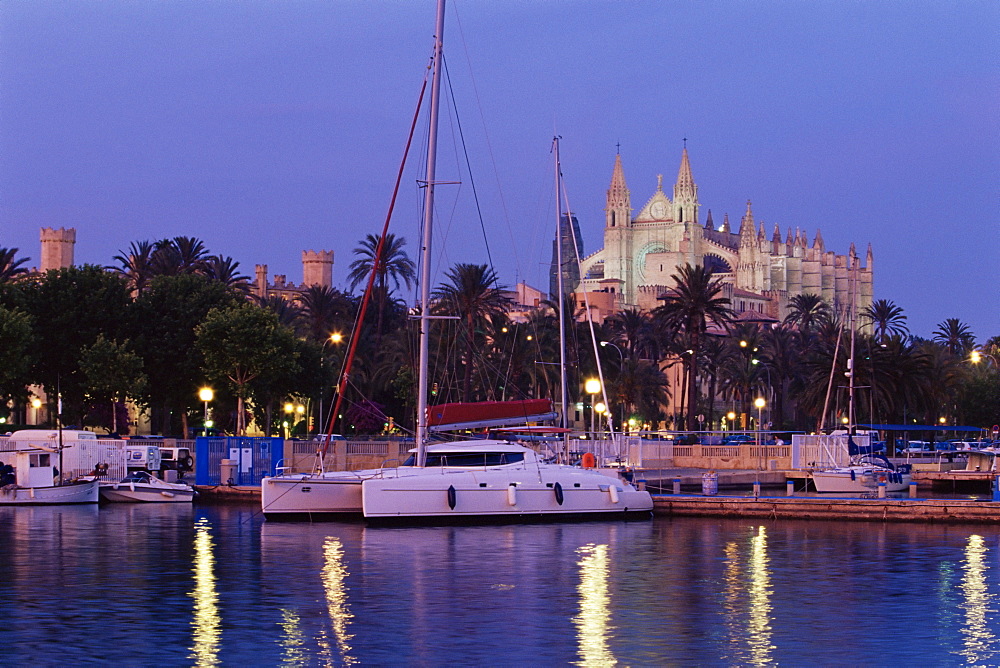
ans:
(266, 128)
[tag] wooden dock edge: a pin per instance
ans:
(812, 508)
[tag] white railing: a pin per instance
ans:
(823, 451)
(79, 458)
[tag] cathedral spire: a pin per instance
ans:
(725, 224)
(709, 225)
(685, 193)
(776, 237)
(747, 226)
(818, 241)
(762, 234)
(619, 209)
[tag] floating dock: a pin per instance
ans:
(821, 508)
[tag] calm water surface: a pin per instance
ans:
(174, 586)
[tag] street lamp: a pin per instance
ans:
(731, 418)
(759, 402)
(592, 387)
(36, 403)
(289, 409)
(206, 394)
(336, 338)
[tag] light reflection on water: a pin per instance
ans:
(217, 585)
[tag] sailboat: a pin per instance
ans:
(476, 480)
(866, 469)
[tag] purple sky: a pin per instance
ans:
(267, 128)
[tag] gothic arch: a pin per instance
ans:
(716, 263)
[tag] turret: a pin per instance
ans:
(317, 268)
(685, 193)
(57, 248)
(618, 212)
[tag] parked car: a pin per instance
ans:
(176, 459)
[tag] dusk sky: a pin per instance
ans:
(269, 128)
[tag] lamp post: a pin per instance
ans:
(36, 403)
(759, 402)
(336, 338)
(592, 387)
(206, 394)
(289, 410)
(621, 363)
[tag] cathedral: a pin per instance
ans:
(761, 273)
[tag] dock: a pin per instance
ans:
(928, 510)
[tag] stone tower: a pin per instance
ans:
(317, 268)
(260, 283)
(685, 193)
(57, 248)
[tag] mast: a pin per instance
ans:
(563, 385)
(425, 249)
(850, 360)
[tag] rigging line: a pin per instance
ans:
(472, 178)
(376, 261)
(489, 145)
(586, 300)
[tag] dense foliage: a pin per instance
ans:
(171, 318)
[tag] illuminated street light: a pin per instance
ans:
(36, 403)
(206, 394)
(592, 387)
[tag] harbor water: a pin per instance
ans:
(153, 585)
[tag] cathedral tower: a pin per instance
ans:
(685, 194)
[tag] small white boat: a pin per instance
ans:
(141, 487)
(862, 476)
(33, 482)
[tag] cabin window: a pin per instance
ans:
(468, 459)
(37, 461)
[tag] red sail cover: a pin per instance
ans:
(444, 417)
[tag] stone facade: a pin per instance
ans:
(641, 252)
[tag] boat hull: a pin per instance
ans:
(73, 493)
(306, 497)
(841, 481)
(140, 493)
(487, 496)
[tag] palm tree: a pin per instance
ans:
(180, 255)
(395, 265)
(632, 329)
(474, 295)
(886, 318)
(956, 336)
(288, 313)
(691, 305)
(807, 311)
(324, 310)
(226, 270)
(11, 268)
(135, 265)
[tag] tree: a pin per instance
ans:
(886, 318)
(956, 336)
(395, 265)
(691, 306)
(226, 270)
(324, 310)
(15, 360)
(474, 295)
(166, 315)
(70, 308)
(135, 265)
(11, 265)
(807, 311)
(112, 374)
(241, 344)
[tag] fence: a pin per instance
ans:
(823, 451)
(79, 457)
(253, 458)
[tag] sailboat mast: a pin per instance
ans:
(425, 248)
(563, 385)
(850, 360)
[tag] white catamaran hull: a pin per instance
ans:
(78, 492)
(556, 493)
(308, 495)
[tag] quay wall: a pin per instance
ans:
(813, 508)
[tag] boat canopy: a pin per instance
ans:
(478, 415)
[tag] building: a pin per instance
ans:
(761, 273)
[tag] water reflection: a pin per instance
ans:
(206, 621)
(292, 639)
(750, 642)
(979, 641)
(334, 577)
(760, 601)
(592, 624)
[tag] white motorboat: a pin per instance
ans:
(33, 481)
(862, 476)
(141, 487)
(481, 479)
